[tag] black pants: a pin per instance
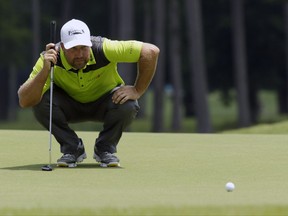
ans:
(115, 118)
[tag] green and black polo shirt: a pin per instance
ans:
(100, 74)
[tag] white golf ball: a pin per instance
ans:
(230, 186)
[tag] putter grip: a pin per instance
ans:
(53, 34)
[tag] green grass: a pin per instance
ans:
(161, 174)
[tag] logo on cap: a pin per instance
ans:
(74, 32)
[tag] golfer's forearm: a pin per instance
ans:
(146, 67)
(30, 92)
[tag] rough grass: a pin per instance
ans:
(272, 128)
(158, 211)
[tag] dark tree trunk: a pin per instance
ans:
(241, 80)
(283, 93)
(36, 29)
(198, 67)
(175, 63)
(158, 82)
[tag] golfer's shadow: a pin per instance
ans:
(38, 167)
(31, 167)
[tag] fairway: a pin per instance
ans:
(161, 174)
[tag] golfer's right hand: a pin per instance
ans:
(50, 55)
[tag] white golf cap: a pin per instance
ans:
(75, 33)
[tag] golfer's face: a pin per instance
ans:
(77, 56)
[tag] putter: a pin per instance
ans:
(53, 40)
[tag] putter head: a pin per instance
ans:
(47, 168)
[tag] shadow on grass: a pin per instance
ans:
(38, 167)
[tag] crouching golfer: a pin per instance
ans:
(87, 87)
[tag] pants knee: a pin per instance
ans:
(124, 113)
(128, 109)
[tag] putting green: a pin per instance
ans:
(161, 174)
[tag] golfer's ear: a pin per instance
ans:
(62, 46)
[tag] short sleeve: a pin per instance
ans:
(122, 51)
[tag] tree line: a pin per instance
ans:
(206, 46)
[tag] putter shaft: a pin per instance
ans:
(51, 113)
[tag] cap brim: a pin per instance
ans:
(74, 43)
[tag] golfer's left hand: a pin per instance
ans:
(125, 93)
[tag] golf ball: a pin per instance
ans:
(230, 186)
